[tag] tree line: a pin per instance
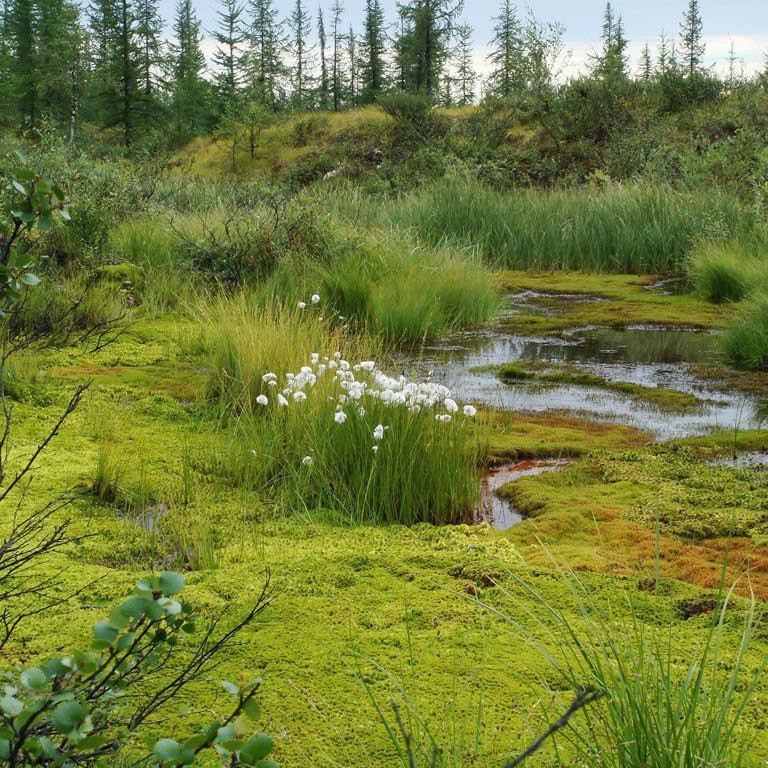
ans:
(110, 64)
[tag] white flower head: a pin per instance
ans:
(340, 417)
(378, 433)
(375, 448)
(450, 405)
(470, 410)
(307, 461)
(315, 299)
(262, 400)
(299, 396)
(302, 304)
(281, 401)
(267, 377)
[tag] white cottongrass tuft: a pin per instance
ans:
(262, 400)
(340, 417)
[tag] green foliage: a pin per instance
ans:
(30, 200)
(746, 338)
(634, 229)
(81, 708)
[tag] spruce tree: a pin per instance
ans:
(465, 78)
(323, 85)
(6, 62)
(372, 52)
(337, 88)
(188, 64)
(299, 25)
(691, 38)
(646, 65)
(353, 73)
(266, 49)
(506, 56)
(611, 63)
(149, 42)
(229, 56)
(23, 72)
(425, 47)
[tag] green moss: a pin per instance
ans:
(626, 301)
(384, 603)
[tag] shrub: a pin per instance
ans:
(746, 337)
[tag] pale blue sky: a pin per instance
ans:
(745, 22)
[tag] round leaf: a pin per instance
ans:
(256, 748)
(166, 749)
(171, 583)
(67, 716)
(33, 679)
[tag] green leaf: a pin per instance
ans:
(167, 749)
(134, 606)
(225, 732)
(5, 749)
(252, 709)
(103, 630)
(118, 619)
(11, 706)
(67, 716)
(256, 748)
(45, 222)
(28, 278)
(20, 188)
(266, 764)
(34, 679)
(230, 687)
(171, 583)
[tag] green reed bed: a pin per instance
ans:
(634, 229)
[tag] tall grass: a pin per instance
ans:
(664, 707)
(746, 337)
(634, 229)
(381, 461)
(729, 270)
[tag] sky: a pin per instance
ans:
(741, 22)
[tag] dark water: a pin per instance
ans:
(498, 511)
(646, 355)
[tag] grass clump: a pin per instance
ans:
(316, 425)
(629, 230)
(659, 708)
(746, 338)
(727, 271)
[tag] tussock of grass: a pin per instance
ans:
(746, 338)
(728, 271)
(657, 709)
(419, 469)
